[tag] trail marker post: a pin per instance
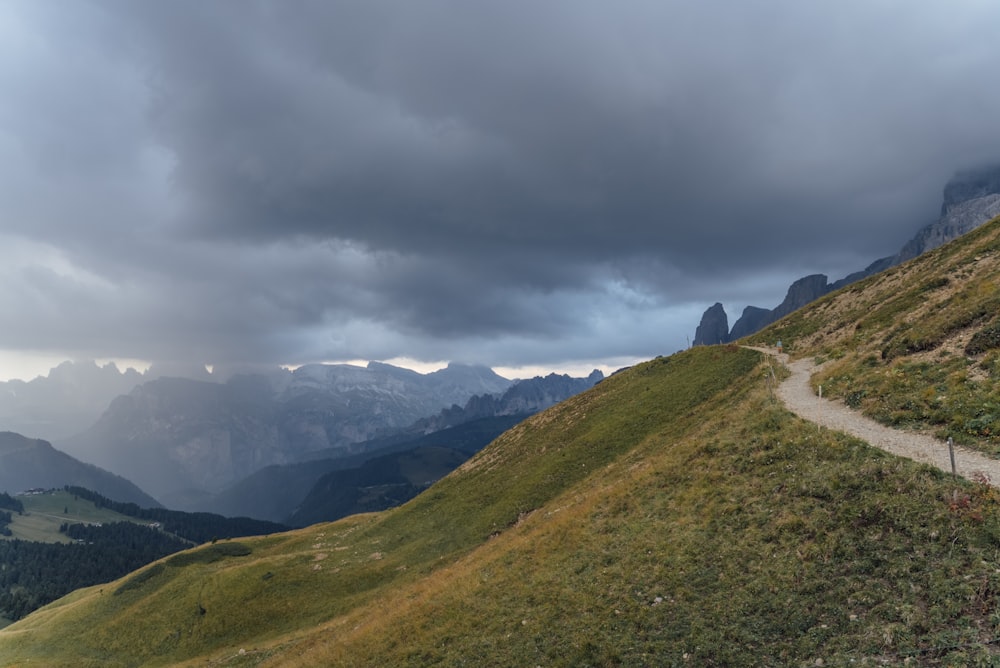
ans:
(951, 453)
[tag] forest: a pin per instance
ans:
(195, 527)
(34, 573)
(9, 503)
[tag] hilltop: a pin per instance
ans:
(674, 514)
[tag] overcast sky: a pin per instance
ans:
(554, 184)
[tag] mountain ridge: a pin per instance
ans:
(186, 439)
(970, 199)
(463, 430)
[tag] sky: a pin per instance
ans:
(565, 184)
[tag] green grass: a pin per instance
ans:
(761, 543)
(44, 513)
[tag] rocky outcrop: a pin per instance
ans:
(753, 319)
(800, 293)
(713, 328)
(971, 198)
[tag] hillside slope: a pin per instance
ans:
(917, 346)
(675, 513)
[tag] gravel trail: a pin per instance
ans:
(799, 397)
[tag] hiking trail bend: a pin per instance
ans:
(798, 396)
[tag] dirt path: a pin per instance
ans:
(799, 397)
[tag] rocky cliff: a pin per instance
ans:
(714, 327)
(970, 184)
(958, 218)
(970, 198)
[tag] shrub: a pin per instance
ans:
(985, 339)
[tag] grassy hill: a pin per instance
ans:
(675, 514)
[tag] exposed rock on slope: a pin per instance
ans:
(714, 326)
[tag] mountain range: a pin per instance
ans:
(66, 401)
(184, 440)
(275, 492)
(674, 514)
(236, 446)
(971, 198)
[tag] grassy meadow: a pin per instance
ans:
(44, 513)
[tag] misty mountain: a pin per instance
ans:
(380, 483)
(278, 493)
(970, 198)
(273, 492)
(66, 401)
(525, 397)
(73, 395)
(185, 440)
(27, 463)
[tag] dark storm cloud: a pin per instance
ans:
(590, 133)
(517, 181)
